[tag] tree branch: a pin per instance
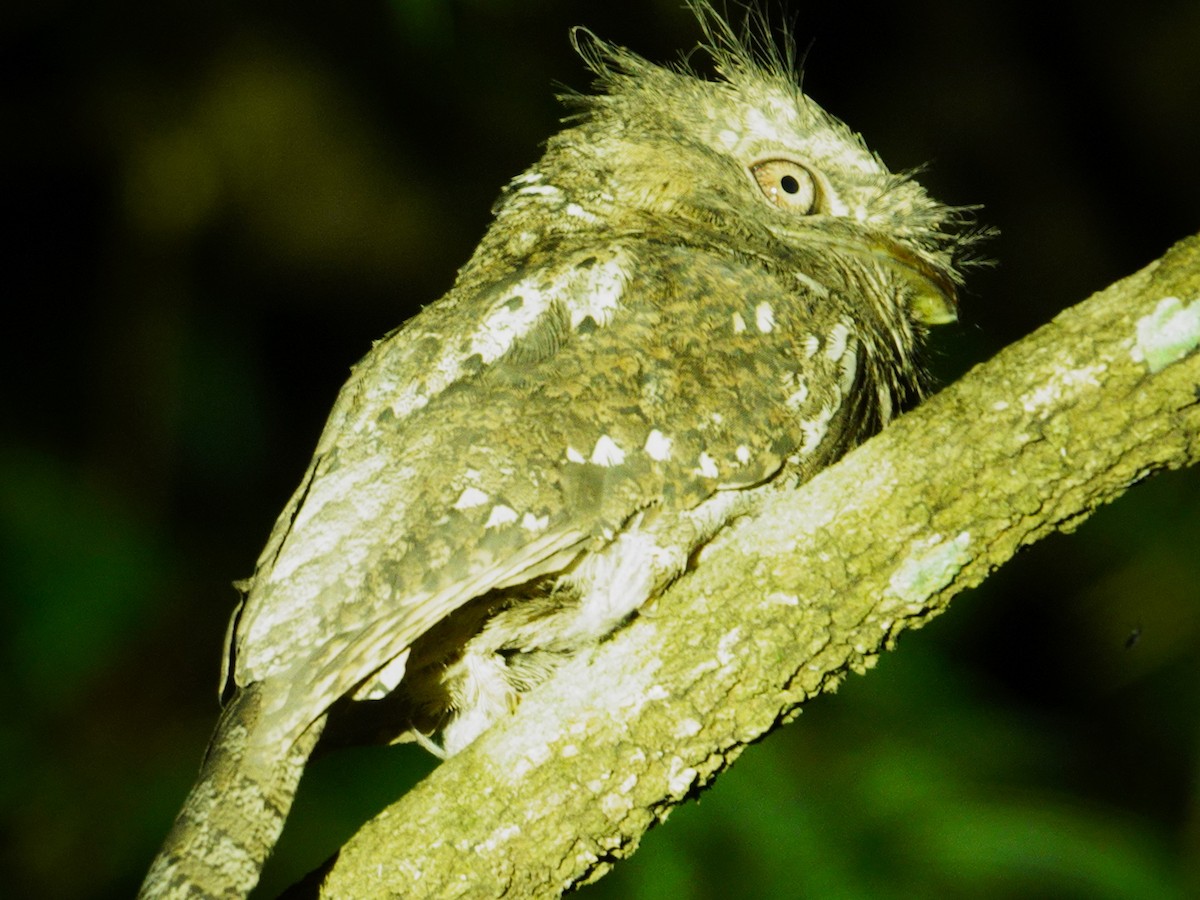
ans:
(782, 606)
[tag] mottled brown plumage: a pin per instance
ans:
(704, 289)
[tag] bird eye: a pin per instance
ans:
(787, 184)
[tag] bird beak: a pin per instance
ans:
(933, 298)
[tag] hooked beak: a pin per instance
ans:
(934, 298)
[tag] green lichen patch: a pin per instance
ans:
(1168, 334)
(929, 568)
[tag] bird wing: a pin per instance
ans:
(545, 436)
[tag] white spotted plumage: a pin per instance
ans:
(494, 512)
(651, 335)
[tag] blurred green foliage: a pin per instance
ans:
(214, 210)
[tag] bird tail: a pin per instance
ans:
(234, 813)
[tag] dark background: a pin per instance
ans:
(213, 210)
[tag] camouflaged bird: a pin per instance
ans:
(703, 289)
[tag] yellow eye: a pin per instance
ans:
(787, 185)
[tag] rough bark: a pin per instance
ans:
(781, 607)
